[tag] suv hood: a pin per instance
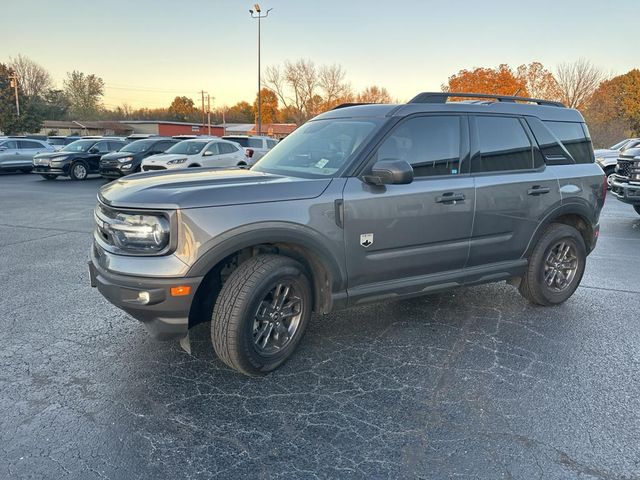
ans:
(53, 155)
(116, 155)
(206, 187)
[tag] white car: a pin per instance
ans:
(199, 152)
(255, 147)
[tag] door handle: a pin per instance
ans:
(538, 190)
(450, 198)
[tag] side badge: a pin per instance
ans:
(366, 239)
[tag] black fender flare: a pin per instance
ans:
(273, 233)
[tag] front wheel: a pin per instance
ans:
(637, 209)
(78, 171)
(261, 314)
(555, 267)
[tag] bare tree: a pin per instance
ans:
(374, 94)
(305, 90)
(577, 81)
(33, 79)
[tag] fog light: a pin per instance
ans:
(180, 291)
(143, 297)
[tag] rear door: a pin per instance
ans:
(397, 236)
(514, 189)
(9, 154)
(98, 150)
(29, 148)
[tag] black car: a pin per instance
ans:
(128, 158)
(76, 160)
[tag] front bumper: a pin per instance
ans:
(624, 190)
(43, 169)
(166, 317)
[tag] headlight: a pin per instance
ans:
(599, 159)
(176, 161)
(139, 233)
(59, 159)
(125, 159)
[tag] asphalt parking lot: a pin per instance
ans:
(474, 383)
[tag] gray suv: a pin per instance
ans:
(16, 153)
(361, 204)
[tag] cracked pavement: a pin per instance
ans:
(471, 383)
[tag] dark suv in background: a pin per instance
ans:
(76, 160)
(625, 182)
(127, 160)
(361, 204)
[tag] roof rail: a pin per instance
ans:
(442, 97)
(349, 104)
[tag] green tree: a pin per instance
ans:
(85, 94)
(241, 112)
(29, 121)
(182, 109)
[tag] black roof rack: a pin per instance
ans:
(442, 97)
(349, 104)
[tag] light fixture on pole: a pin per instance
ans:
(257, 13)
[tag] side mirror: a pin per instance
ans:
(390, 172)
(208, 153)
(94, 150)
(2, 148)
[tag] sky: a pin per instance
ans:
(149, 51)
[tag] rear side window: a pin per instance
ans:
(255, 143)
(227, 148)
(243, 141)
(430, 144)
(504, 145)
(29, 145)
(271, 143)
(575, 140)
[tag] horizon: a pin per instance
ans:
(177, 55)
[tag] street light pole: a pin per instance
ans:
(258, 14)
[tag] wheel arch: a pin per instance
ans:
(300, 243)
(576, 215)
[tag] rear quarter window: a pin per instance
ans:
(574, 136)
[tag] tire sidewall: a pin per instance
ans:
(72, 173)
(569, 235)
(257, 362)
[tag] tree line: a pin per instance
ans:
(295, 91)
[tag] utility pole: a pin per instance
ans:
(209, 113)
(202, 92)
(14, 83)
(258, 14)
(224, 121)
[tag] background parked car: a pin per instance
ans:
(254, 147)
(200, 152)
(18, 153)
(128, 158)
(607, 158)
(76, 160)
(59, 141)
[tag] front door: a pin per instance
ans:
(398, 236)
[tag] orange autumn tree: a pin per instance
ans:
(495, 81)
(539, 82)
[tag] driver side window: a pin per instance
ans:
(431, 145)
(101, 147)
(213, 149)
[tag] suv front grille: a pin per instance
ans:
(104, 216)
(624, 168)
(147, 168)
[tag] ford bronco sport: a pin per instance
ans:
(363, 203)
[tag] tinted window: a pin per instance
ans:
(271, 143)
(56, 141)
(573, 137)
(504, 145)
(10, 145)
(255, 143)
(243, 141)
(188, 147)
(115, 146)
(29, 145)
(227, 148)
(430, 144)
(162, 146)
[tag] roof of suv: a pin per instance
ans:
(435, 102)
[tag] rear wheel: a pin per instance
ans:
(637, 209)
(48, 176)
(555, 267)
(78, 171)
(261, 314)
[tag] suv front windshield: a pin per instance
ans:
(318, 149)
(187, 147)
(79, 146)
(138, 146)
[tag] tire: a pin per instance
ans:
(78, 171)
(48, 176)
(546, 258)
(194, 165)
(251, 291)
(637, 209)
